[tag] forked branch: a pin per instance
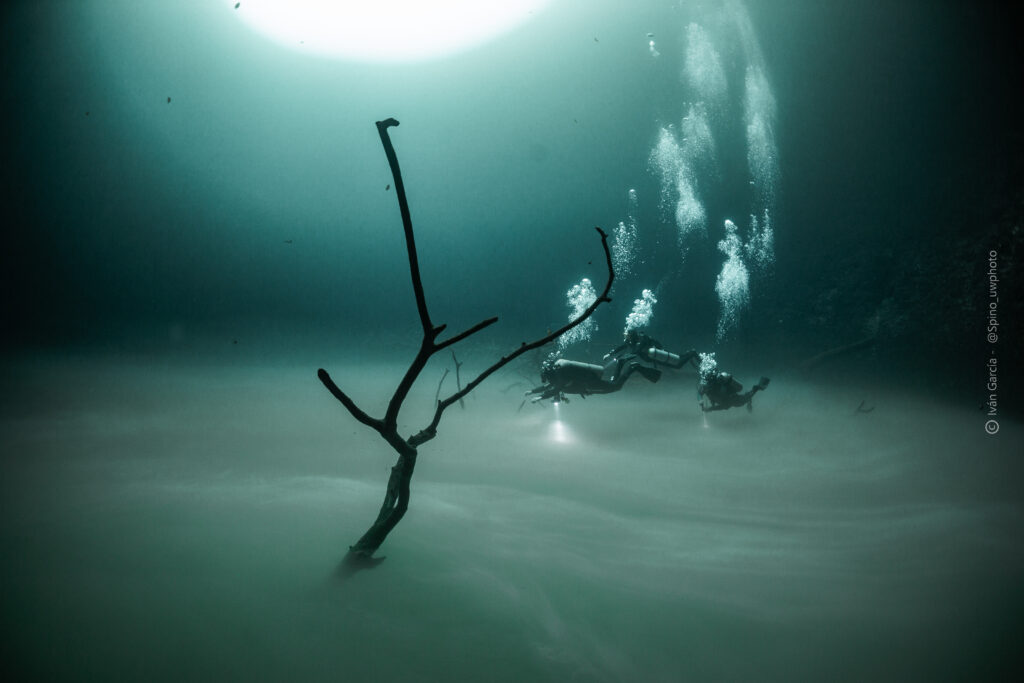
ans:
(396, 499)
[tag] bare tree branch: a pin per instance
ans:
(396, 498)
(415, 368)
(357, 413)
(473, 330)
(410, 242)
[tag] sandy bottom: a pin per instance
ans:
(183, 521)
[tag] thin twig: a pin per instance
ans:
(437, 394)
(458, 380)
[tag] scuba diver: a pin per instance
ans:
(638, 353)
(649, 349)
(560, 377)
(724, 392)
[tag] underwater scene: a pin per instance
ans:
(536, 340)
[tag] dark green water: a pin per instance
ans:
(197, 218)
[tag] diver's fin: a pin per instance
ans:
(650, 374)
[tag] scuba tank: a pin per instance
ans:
(663, 356)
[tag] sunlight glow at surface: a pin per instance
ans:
(396, 31)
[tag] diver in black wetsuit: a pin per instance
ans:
(561, 376)
(724, 392)
(638, 353)
(650, 350)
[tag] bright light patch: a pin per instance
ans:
(560, 432)
(395, 31)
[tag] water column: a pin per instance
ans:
(685, 158)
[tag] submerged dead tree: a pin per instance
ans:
(396, 499)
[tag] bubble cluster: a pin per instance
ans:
(736, 15)
(643, 311)
(579, 297)
(633, 207)
(691, 219)
(666, 161)
(698, 146)
(702, 67)
(688, 164)
(674, 163)
(760, 247)
(707, 367)
(625, 236)
(733, 282)
(726, 92)
(759, 116)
